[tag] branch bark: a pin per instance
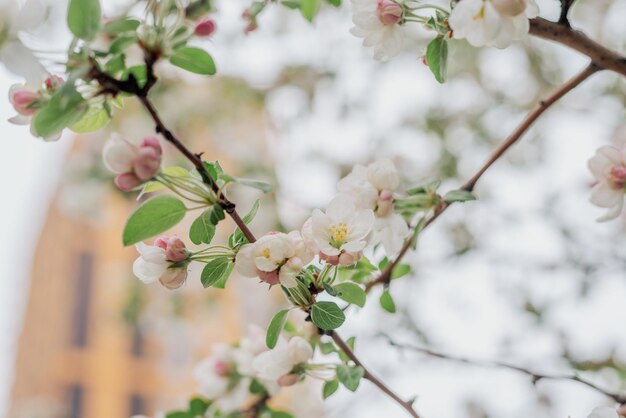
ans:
(563, 34)
(407, 405)
(540, 108)
(535, 376)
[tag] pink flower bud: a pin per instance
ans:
(389, 13)
(21, 99)
(147, 163)
(53, 82)
(152, 142)
(176, 250)
(205, 28)
(617, 177)
(288, 380)
(330, 259)
(173, 278)
(126, 182)
(349, 259)
(221, 368)
(384, 204)
(161, 242)
(269, 277)
(509, 7)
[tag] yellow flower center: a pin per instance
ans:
(266, 253)
(480, 14)
(338, 234)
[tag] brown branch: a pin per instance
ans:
(407, 405)
(533, 115)
(535, 376)
(563, 34)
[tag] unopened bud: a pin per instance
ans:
(389, 13)
(53, 82)
(205, 28)
(288, 380)
(147, 163)
(22, 99)
(126, 182)
(176, 250)
(269, 277)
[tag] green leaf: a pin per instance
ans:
(139, 72)
(400, 270)
(309, 9)
(202, 229)
(95, 119)
(155, 216)
(327, 315)
(198, 407)
(458, 196)
(178, 414)
(121, 25)
(351, 293)
(237, 237)
(437, 58)
(121, 43)
(275, 328)
(329, 388)
(327, 348)
(329, 289)
(350, 377)
(194, 60)
(335, 3)
(214, 272)
(291, 4)
(83, 18)
(65, 108)
(256, 388)
(387, 303)
(259, 185)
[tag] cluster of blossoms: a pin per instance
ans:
(227, 375)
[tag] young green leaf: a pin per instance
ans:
(83, 18)
(95, 119)
(198, 407)
(275, 328)
(121, 25)
(65, 108)
(458, 196)
(329, 289)
(437, 58)
(329, 388)
(327, 315)
(351, 293)
(194, 60)
(216, 272)
(400, 270)
(350, 377)
(202, 229)
(155, 216)
(237, 237)
(309, 9)
(255, 184)
(387, 303)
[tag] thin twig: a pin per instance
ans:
(535, 376)
(407, 405)
(533, 115)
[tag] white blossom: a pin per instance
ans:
(15, 19)
(492, 22)
(608, 167)
(378, 23)
(603, 412)
(155, 263)
(278, 364)
(275, 258)
(341, 231)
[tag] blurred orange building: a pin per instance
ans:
(78, 357)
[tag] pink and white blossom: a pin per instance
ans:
(278, 364)
(164, 261)
(340, 231)
(378, 22)
(608, 167)
(275, 258)
(372, 187)
(134, 165)
(492, 22)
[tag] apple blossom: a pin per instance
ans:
(285, 363)
(275, 258)
(378, 23)
(372, 188)
(342, 229)
(608, 167)
(603, 412)
(492, 22)
(133, 164)
(14, 20)
(165, 261)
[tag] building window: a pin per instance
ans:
(76, 401)
(138, 347)
(137, 405)
(82, 299)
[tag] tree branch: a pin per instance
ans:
(542, 106)
(600, 55)
(407, 405)
(536, 377)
